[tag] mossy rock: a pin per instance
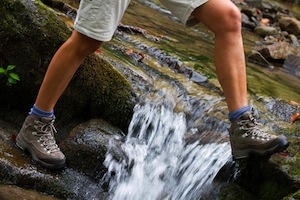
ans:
(9, 192)
(97, 91)
(87, 146)
(17, 168)
(232, 191)
(30, 35)
(272, 178)
(294, 196)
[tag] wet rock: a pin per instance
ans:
(267, 7)
(280, 108)
(262, 177)
(277, 51)
(265, 30)
(192, 75)
(247, 23)
(249, 11)
(97, 89)
(258, 58)
(293, 40)
(16, 168)
(289, 163)
(9, 192)
(88, 145)
(292, 64)
(232, 191)
(290, 24)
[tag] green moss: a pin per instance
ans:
(98, 90)
(231, 191)
(296, 195)
(269, 83)
(270, 190)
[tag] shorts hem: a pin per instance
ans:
(95, 36)
(186, 16)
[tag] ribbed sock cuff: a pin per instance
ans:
(238, 113)
(40, 113)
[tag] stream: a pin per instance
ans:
(177, 144)
(161, 165)
(177, 140)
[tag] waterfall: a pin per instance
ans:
(160, 164)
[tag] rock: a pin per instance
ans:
(88, 145)
(191, 74)
(294, 40)
(277, 51)
(292, 64)
(265, 30)
(97, 89)
(246, 23)
(9, 192)
(232, 191)
(16, 168)
(249, 11)
(262, 177)
(258, 58)
(290, 24)
(280, 108)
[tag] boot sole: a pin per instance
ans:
(25, 147)
(237, 155)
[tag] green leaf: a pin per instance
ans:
(14, 76)
(2, 71)
(11, 81)
(10, 67)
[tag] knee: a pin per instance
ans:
(230, 21)
(87, 48)
(83, 44)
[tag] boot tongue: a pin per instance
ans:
(46, 120)
(248, 116)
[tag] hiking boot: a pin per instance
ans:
(247, 138)
(37, 136)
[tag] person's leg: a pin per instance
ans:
(62, 68)
(224, 19)
(91, 28)
(37, 132)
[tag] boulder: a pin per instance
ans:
(292, 64)
(289, 24)
(88, 144)
(28, 41)
(265, 30)
(277, 51)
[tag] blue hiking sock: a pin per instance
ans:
(40, 113)
(238, 113)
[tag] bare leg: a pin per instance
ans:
(62, 68)
(224, 19)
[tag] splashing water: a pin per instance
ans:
(160, 165)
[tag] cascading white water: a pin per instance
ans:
(160, 165)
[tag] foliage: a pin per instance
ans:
(12, 77)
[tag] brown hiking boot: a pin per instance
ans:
(37, 136)
(247, 138)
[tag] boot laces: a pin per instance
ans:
(45, 132)
(251, 128)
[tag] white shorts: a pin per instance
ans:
(98, 19)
